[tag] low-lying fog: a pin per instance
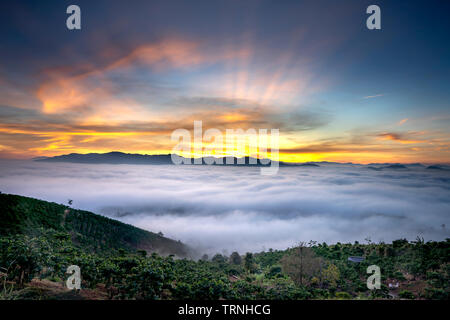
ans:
(222, 209)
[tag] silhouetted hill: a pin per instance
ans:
(116, 157)
(23, 215)
(110, 158)
(435, 167)
(415, 165)
(163, 159)
(396, 166)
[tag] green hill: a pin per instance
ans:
(23, 215)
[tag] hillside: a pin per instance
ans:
(23, 215)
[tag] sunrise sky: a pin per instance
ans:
(137, 71)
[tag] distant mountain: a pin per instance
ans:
(435, 167)
(162, 159)
(381, 166)
(110, 158)
(307, 165)
(415, 165)
(396, 166)
(23, 215)
(116, 157)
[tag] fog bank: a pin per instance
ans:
(235, 208)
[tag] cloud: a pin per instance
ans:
(232, 208)
(223, 112)
(399, 137)
(65, 133)
(374, 96)
(79, 87)
(142, 93)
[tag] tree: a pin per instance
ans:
(235, 258)
(249, 263)
(218, 258)
(301, 264)
(142, 253)
(331, 275)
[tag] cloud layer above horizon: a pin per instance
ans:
(228, 208)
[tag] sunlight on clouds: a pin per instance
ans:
(98, 108)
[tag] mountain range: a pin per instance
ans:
(116, 157)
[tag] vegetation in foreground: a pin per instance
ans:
(33, 266)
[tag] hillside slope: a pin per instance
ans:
(23, 215)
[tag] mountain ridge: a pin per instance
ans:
(117, 157)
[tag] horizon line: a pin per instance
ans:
(218, 157)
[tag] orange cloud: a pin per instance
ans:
(397, 137)
(402, 121)
(92, 91)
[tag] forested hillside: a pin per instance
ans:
(22, 215)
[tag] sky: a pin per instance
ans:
(214, 208)
(136, 72)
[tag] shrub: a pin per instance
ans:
(274, 272)
(343, 296)
(436, 294)
(405, 294)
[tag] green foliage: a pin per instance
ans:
(331, 275)
(22, 215)
(235, 258)
(405, 294)
(343, 296)
(249, 263)
(275, 272)
(112, 256)
(219, 259)
(133, 275)
(437, 294)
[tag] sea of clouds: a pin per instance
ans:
(223, 209)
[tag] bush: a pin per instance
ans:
(343, 296)
(399, 275)
(405, 294)
(275, 272)
(436, 294)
